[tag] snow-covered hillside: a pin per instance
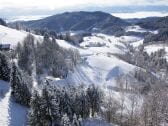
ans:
(11, 113)
(156, 47)
(136, 28)
(12, 36)
(98, 66)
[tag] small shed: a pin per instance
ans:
(5, 47)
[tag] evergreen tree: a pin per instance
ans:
(35, 114)
(50, 107)
(55, 110)
(94, 97)
(82, 105)
(46, 106)
(4, 68)
(66, 104)
(20, 86)
(44, 110)
(26, 55)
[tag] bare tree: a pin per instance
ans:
(111, 107)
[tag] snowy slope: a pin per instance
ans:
(12, 36)
(8, 35)
(11, 113)
(98, 66)
(155, 47)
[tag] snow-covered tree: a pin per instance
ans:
(65, 121)
(26, 54)
(4, 68)
(20, 84)
(111, 106)
(75, 121)
(35, 117)
(95, 98)
(66, 104)
(82, 105)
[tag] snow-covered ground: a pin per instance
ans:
(130, 39)
(155, 47)
(136, 28)
(11, 113)
(98, 66)
(12, 36)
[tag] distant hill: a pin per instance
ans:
(78, 21)
(161, 37)
(153, 23)
(141, 20)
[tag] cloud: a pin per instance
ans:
(140, 14)
(54, 4)
(14, 8)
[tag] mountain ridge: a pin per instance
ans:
(88, 21)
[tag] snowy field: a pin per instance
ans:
(155, 47)
(136, 28)
(12, 36)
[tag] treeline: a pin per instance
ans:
(53, 104)
(147, 106)
(152, 68)
(155, 62)
(45, 57)
(161, 37)
(21, 82)
(153, 23)
(21, 85)
(67, 36)
(135, 108)
(63, 106)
